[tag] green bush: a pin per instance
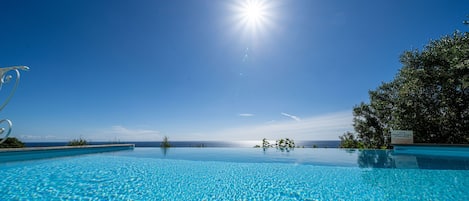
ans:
(77, 142)
(285, 143)
(265, 144)
(12, 142)
(349, 140)
(165, 142)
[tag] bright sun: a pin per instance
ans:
(253, 11)
(253, 16)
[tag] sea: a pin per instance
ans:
(240, 144)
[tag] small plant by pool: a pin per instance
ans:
(77, 142)
(12, 142)
(284, 144)
(165, 143)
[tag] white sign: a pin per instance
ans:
(402, 137)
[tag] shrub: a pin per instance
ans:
(265, 144)
(12, 142)
(165, 142)
(349, 140)
(285, 143)
(77, 142)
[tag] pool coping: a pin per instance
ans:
(33, 153)
(64, 147)
(443, 150)
(432, 145)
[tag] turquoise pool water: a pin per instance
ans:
(238, 174)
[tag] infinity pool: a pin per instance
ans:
(238, 174)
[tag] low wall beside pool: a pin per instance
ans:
(20, 154)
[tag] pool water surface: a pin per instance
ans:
(238, 174)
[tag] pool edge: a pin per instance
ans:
(33, 153)
(458, 150)
(130, 146)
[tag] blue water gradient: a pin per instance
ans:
(233, 174)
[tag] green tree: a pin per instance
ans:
(429, 95)
(436, 94)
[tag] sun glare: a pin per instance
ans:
(253, 16)
(253, 11)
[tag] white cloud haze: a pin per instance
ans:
(322, 127)
(122, 133)
(291, 116)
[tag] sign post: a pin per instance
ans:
(402, 137)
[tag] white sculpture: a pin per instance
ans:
(5, 79)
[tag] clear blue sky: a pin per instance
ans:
(204, 69)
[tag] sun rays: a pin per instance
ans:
(253, 18)
(253, 12)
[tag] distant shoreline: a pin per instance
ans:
(240, 144)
